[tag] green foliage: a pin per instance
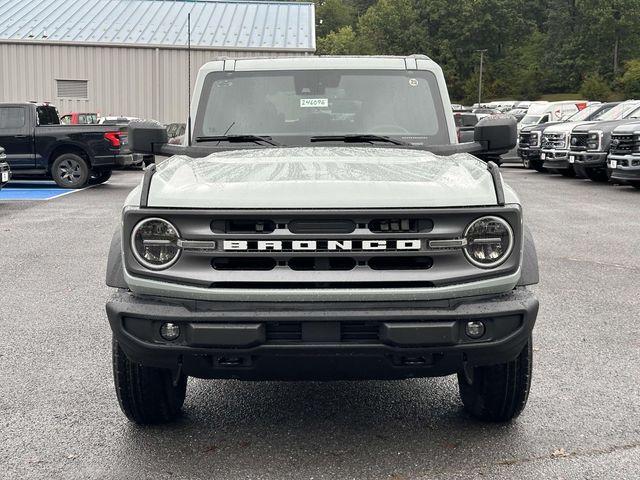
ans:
(333, 15)
(341, 42)
(534, 46)
(594, 87)
(630, 81)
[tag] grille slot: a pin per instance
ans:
(244, 263)
(322, 263)
(401, 225)
(350, 332)
(400, 263)
(243, 226)
(321, 226)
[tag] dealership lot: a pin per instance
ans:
(59, 416)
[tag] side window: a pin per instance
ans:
(544, 119)
(12, 117)
(65, 119)
(82, 119)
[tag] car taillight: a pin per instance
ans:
(113, 138)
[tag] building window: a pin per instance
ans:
(72, 88)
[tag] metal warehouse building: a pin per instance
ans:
(129, 57)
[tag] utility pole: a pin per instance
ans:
(482, 52)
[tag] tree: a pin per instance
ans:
(630, 81)
(594, 87)
(333, 15)
(390, 27)
(342, 42)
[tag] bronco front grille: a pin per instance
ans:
(380, 249)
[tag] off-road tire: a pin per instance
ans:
(70, 171)
(526, 163)
(100, 177)
(498, 393)
(146, 395)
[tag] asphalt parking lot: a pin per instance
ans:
(59, 417)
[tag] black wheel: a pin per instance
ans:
(70, 171)
(146, 395)
(568, 172)
(526, 163)
(599, 175)
(537, 165)
(498, 393)
(148, 160)
(100, 177)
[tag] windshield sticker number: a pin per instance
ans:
(413, 82)
(314, 102)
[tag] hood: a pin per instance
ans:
(565, 127)
(606, 127)
(322, 177)
(538, 127)
(628, 128)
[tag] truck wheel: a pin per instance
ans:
(100, 177)
(70, 171)
(600, 176)
(537, 165)
(146, 394)
(568, 172)
(498, 393)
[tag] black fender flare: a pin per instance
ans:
(115, 271)
(529, 274)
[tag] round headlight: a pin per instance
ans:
(489, 242)
(154, 243)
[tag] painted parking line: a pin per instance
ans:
(24, 190)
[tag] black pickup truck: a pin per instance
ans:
(74, 156)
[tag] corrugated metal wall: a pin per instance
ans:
(137, 82)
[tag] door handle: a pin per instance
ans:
(20, 136)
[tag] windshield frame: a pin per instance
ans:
(442, 135)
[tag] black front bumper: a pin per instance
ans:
(310, 340)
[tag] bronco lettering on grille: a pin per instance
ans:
(319, 245)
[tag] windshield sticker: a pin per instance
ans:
(314, 102)
(413, 82)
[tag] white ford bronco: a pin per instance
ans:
(321, 221)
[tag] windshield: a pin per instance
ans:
(293, 106)
(529, 120)
(621, 110)
(584, 114)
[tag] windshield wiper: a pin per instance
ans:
(357, 138)
(239, 139)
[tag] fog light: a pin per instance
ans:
(170, 331)
(475, 329)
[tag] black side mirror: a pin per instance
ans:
(147, 137)
(497, 134)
